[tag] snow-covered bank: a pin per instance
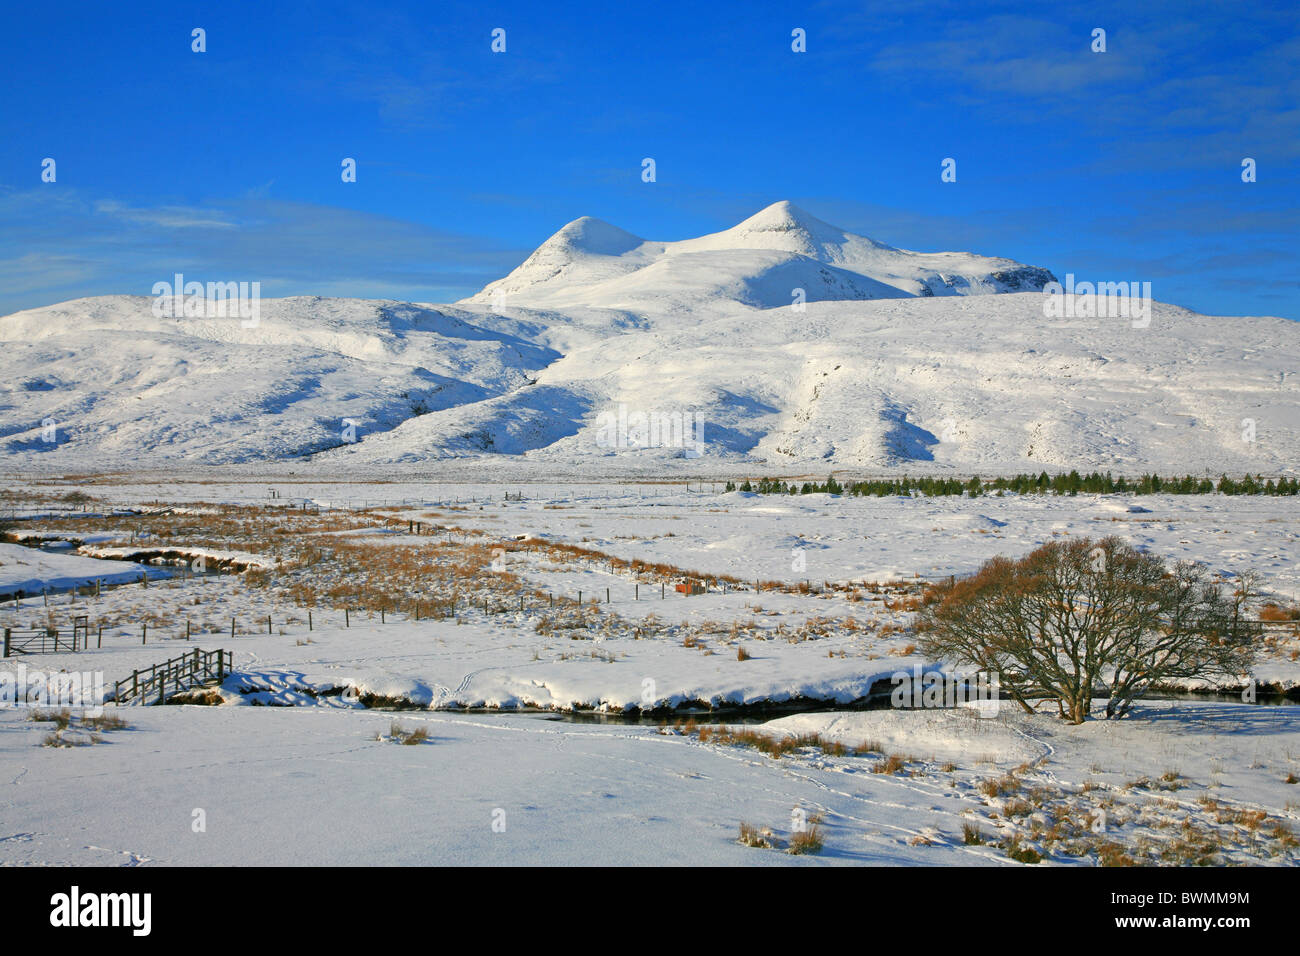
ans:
(205, 557)
(30, 570)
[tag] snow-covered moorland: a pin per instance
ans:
(809, 601)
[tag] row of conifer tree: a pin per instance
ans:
(1060, 484)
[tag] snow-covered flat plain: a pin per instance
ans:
(695, 524)
(503, 659)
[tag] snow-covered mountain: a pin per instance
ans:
(759, 262)
(606, 352)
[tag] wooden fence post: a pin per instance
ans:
(144, 633)
(309, 620)
(6, 642)
(100, 642)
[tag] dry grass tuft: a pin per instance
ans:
(1001, 786)
(891, 764)
(751, 835)
(808, 840)
(56, 739)
(105, 722)
(766, 743)
(60, 718)
(407, 736)
(1110, 853)
(1276, 612)
(1021, 853)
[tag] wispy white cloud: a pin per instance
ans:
(35, 271)
(167, 217)
(1156, 81)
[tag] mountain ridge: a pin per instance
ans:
(589, 261)
(701, 336)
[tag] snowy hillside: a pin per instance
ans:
(607, 352)
(124, 385)
(971, 383)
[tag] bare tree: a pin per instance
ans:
(1079, 616)
(76, 498)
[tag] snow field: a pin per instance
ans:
(293, 768)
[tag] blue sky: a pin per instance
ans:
(225, 165)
